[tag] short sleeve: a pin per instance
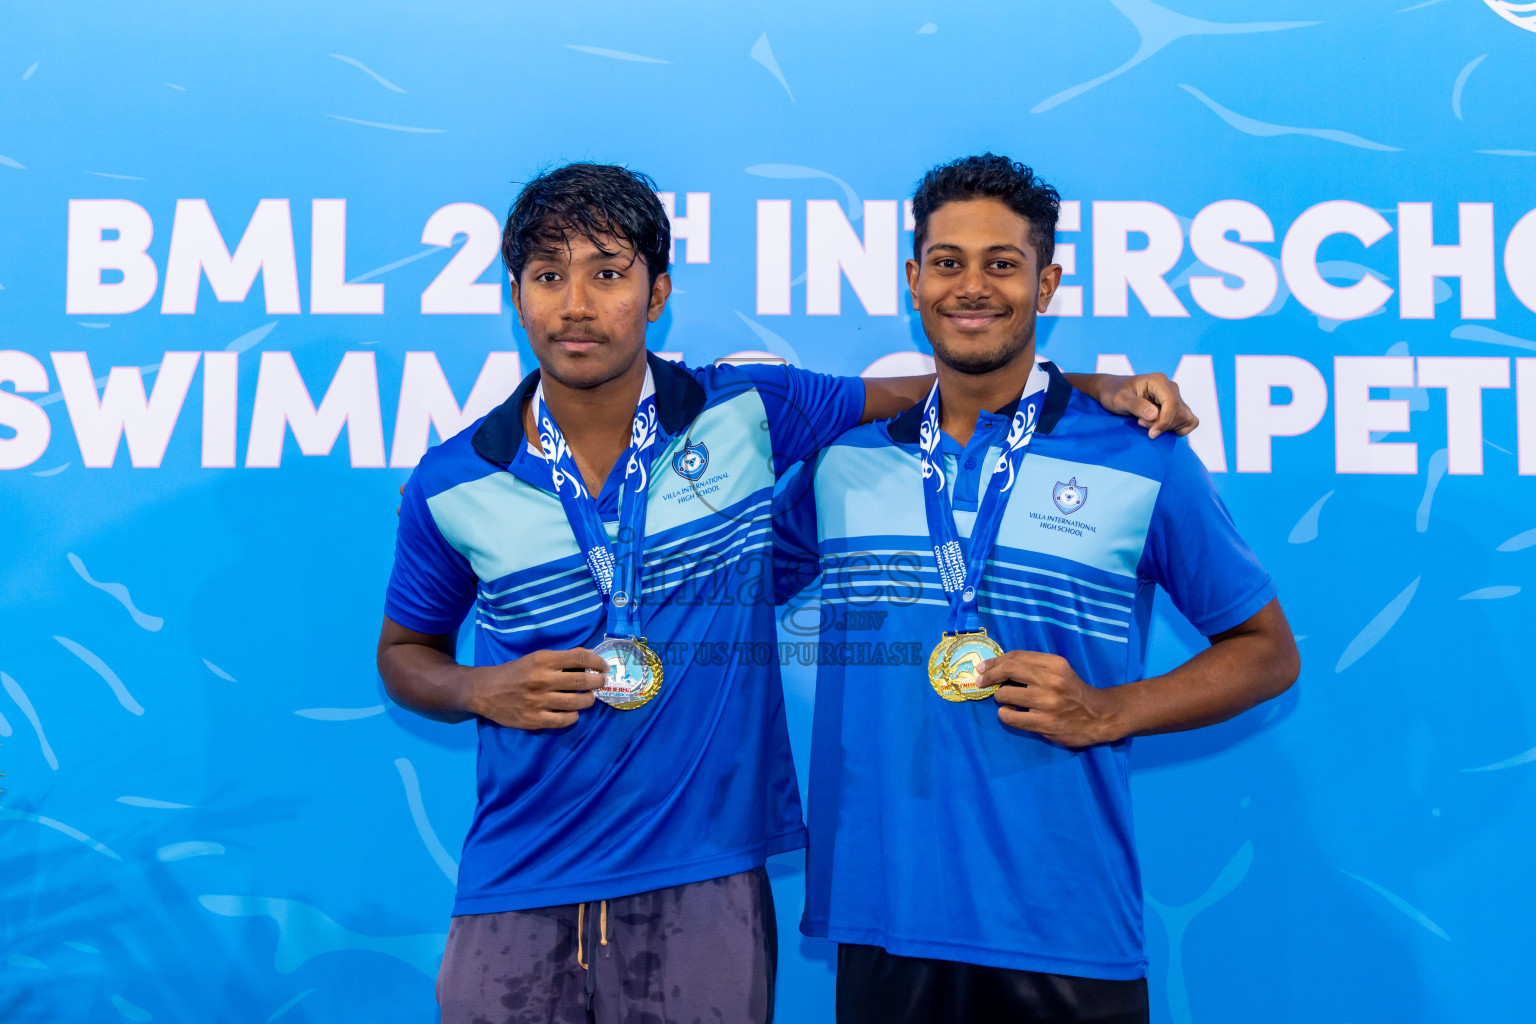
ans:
(796, 561)
(806, 410)
(1195, 553)
(432, 586)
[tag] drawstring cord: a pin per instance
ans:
(581, 930)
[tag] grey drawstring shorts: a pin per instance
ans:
(706, 952)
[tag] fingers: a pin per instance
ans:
(1022, 698)
(1016, 719)
(575, 658)
(1155, 389)
(576, 672)
(541, 690)
(1175, 416)
(1021, 667)
(568, 700)
(566, 681)
(1164, 393)
(1172, 413)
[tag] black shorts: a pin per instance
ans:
(876, 987)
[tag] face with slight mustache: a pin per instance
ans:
(978, 285)
(586, 307)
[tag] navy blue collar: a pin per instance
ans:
(679, 400)
(904, 428)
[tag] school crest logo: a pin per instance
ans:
(1069, 496)
(691, 462)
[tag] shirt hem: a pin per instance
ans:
(423, 624)
(1108, 970)
(1240, 611)
(611, 887)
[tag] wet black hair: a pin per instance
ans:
(989, 176)
(599, 202)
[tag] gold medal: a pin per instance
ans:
(938, 676)
(954, 667)
(634, 672)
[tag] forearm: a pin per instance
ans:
(427, 680)
(1213, 686)
(885, 397)
(1091, 384)
(1151, 398)
(1241, 669)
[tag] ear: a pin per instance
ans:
(517, 301)
(1050, 279)
(661, 290)
(912, 272)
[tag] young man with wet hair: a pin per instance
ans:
(970, 821)
(606, 524)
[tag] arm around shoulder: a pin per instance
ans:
(885, 397)
(1152, 398)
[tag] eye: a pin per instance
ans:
(547, 277)
(945, 263)
(609, 275)
(1002, 264)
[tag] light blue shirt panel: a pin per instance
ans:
(740, 464)
(1113, 520)
(890, 496)
(503, 525)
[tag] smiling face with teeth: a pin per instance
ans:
(977, 284)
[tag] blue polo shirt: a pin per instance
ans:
(696, 784)
(935, 830)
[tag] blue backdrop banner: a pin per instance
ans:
(249, 271)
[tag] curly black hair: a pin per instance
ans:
(599, 202)
(989, 176)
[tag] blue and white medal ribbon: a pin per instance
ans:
(634, 671)
(952, 666)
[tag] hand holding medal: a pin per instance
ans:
(1042, 694)
(541, 690)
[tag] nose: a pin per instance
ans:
(577, 301)
(973, 283)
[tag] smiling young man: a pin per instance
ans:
(609, 525)
(974, 857)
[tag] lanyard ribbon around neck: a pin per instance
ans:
(617, 574)
(961, 580)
